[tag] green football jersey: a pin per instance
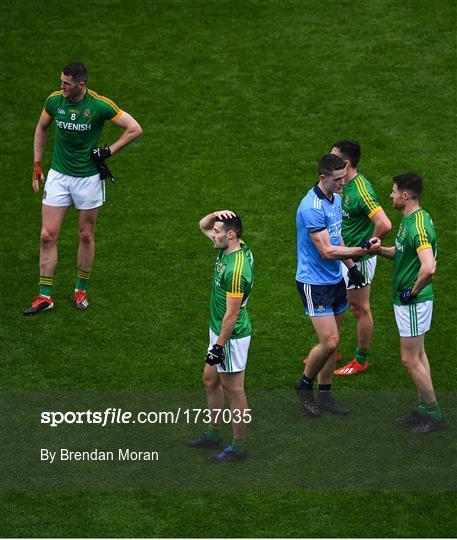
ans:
(78, 127)
(233, 277)
(416, 233)
(359, 203)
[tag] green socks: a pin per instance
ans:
(83, 280)
(240, 447)
(213, 433)
(45, 285)
(422, 408)
(434, 411)
(361, 355)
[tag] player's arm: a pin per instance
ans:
(230, 318)
(206, 224)
(349, 263)
(321, 239)
(132, 130)
(382, 224)
(426, 271)
(387, 252)
(39, 142)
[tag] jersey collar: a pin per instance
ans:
(321, 195)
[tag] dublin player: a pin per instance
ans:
(74, 177)
(320, 283)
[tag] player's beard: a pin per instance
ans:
(220, 245)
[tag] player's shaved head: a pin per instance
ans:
(232, 224)
(76, 70)
(330, 163)
(410, 182)
(349, 150)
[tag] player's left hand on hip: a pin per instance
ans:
(100, 154)
(356, 277)
(216, 356)
(406, 296)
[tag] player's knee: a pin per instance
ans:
(234, 393)
(210, 382)
(48, 237)
(86, 236)
(331, 343)
(360, 310)
(409, 361)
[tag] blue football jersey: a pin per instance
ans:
(317, 213)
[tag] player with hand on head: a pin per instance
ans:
(229, 334)
(76, 176)
(363, 218)
(320, 283)
(414, 257)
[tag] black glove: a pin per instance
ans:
(98, 156)
(366, 244)
(356, 277)
(406, 296)
(216, 356)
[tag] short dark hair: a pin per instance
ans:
(330, 163)
(350, 150)
(76, 70)
(410, 182)
(233, 224)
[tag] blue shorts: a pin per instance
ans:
(323, 300)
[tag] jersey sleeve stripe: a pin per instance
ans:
(117, 116)
(104, 99)
(423, 237)
(234, 273)
(423, 246)
(238, 273)
(364, 194)
(375, 211)
(234, 295)
(236, 279)
(53, 94)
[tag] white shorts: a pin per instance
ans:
(85, 193)
(236, 353)
(414, 319)
(367, 267)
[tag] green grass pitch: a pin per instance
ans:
(238, 100)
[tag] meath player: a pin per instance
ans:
(229, 334)
(414, 256)
(320, 283)
(76, 174)
(363, 218)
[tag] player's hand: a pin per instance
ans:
(406, 296)
(105, 172)
(100, 154)
(216, 356)
(221, 214)
(37, 175)
(356, 277)
(374, 244)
